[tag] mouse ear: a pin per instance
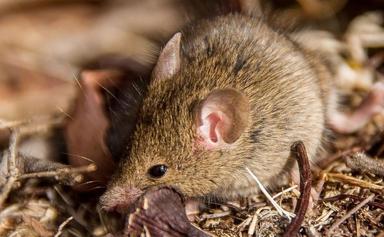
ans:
(222, 117)
(169, 60)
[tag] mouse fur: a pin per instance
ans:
(278, 93)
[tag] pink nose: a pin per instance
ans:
(119, 198)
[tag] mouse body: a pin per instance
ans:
(226, 94)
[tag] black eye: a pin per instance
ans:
(157, 171)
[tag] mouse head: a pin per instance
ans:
(188, 132)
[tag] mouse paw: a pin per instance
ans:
(313, 199)
(314, 195)
(371, 105)
(193, 208)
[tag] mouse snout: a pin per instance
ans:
(120, 198)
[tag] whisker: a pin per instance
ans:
(97, 187)
(77, 81)
(93, 182)
(106, 89)
(80, 156)
(63, 112)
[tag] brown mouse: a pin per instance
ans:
(226, 93)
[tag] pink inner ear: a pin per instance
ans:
(210, 130)
(213, 119)
(221, 118)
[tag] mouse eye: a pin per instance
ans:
(157, 171)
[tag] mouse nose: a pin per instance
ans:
(119, 198)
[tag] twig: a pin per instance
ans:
(17, 166)
(298, 150)
(349, 214)
(13, 171)
(361, 162)
(12, 155)
(215, 215)
(62, 225)
(252, 226)
(244, 224)
(60, 172)
(353, 197)
(7, 188)
(284, 191)
(279, 209)
(351, 180)
(357, 226)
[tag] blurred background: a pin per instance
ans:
(46, 42)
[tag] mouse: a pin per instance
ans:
(226, 94)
